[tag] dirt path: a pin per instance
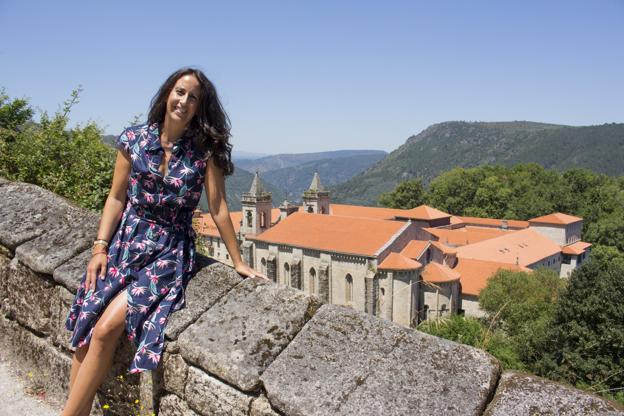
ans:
(16, 398)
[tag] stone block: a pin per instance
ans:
(212, 281)
(208, 396)
(70, 237)
(70, 273)
(175, 374)
(523, 394)
(30, 298)
(47, 365)
(243, 332)
(61, 303)
(260, 406)
(4, 276)
(346, 362)
(28, 211)
(172, 405)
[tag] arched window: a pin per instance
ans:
(249, 219)
(425, 312)
(428, 255)
(312, 281)
(443, 310)
(262, 220)
(263, 269)
(310, 209)
(348, 289)
(286, 279)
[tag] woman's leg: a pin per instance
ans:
(99, 357)
(77, 360)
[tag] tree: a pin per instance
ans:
(586, 337)
(406, 195)
(522, 305)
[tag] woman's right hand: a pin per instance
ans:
(95, 269)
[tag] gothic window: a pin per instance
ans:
(312, 281)
(249, 219)
(263, 263)
(348, 289)
(286, 279)
(428, 255)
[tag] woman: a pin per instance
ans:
(137, 279)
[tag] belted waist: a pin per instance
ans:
(181, 221)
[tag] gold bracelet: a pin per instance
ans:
(101, 242)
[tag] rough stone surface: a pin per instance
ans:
(261, 407)
(523, 395)
(172, 405)
(4, 181)
(211, 282)
(242, 334)
(209, 396)
(28, 211)
(61, 303)
(29, 297)
(47, 365)
(4, 276)
(70, 273)
(346, 362)
(75, 234)
(175, 373)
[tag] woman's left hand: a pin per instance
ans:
(246, 271)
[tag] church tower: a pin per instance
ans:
(256, 208)
(316, 198)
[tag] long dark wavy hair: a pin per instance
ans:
(210, 127)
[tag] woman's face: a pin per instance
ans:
(183, 100)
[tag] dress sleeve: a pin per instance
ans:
(123, 142)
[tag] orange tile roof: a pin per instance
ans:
(556, 218)
(474, 274)
(493, 222)
(206, 226)
(576, 248)
(415, 249)
(443, 247)
(455, 220)
(439, 273)
(524, 247)
(359, 211)
(465, 235)
(360, 236)
(397, 261)
(422, 212)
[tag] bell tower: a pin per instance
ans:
(316, 198)
(256, 208)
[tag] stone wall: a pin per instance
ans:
(245, 347)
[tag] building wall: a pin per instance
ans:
(555, 233)
(552, 262)
(398, 243)
(566, 269)
(573, 232)
(438, 302)
(470, 306)
(403, 285)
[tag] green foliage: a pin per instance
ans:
(407, 195)
(444, 146)
(13, 113)
(586, 337)
(471, 331)
(73, 163)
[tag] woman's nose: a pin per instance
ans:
(183, 99)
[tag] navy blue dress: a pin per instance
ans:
(152, 252)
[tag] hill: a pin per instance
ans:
(294, 180)
(236, 184)
(286, 160)
(443, 146)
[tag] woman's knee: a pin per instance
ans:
(107, 330)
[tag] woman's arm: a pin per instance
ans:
(215, 191)
(115, 203)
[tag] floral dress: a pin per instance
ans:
(152, 252)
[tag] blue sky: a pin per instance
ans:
(299, 76)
